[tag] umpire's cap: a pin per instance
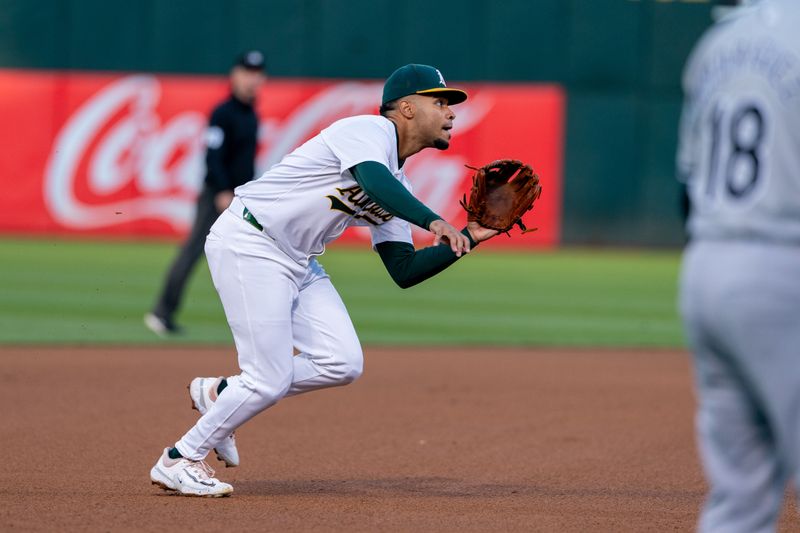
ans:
(251, 60)
(420, 79)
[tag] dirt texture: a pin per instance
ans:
(429, 439)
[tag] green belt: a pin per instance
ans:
(248, 216)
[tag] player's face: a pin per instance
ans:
(435, 120)
(245, 83)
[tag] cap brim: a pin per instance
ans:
(454, 96)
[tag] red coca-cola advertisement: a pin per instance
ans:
(123, 154)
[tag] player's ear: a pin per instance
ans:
(406, 109)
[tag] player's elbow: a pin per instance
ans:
(405, 282)
(403, 278)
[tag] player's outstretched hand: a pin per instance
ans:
(444, 232)
(479, 233)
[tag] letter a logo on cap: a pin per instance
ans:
(441, 78)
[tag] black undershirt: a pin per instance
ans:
(405, 265)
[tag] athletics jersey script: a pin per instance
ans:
(310, 197)
(353, 199)
(739, 148)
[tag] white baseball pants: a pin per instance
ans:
(273, 305)
(740, 303)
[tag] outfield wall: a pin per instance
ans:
(618, 61)
(112, 154)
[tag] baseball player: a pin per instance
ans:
(739, 152)
(230, 161)
(262, 257)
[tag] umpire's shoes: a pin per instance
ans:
(163, 327)
(203, 392)
(187, 477)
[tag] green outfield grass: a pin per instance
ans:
(62, 291)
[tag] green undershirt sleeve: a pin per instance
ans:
(384, 189)
(408, 266)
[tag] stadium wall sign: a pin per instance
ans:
(122, 154)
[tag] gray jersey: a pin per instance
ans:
(739, 161)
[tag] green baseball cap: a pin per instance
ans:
(420, 79)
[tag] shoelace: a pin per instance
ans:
(201, 469)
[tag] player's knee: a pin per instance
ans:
(353, 372)
(351, 367)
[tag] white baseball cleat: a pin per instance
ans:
(187, 477)
(203, 392)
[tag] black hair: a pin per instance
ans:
(391, 105)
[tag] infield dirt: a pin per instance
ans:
(478, 439)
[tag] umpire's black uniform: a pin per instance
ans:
(230, 161)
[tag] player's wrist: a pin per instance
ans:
(468, 234)
(432, 220)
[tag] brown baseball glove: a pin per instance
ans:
(502, 192)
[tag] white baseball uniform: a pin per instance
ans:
(740, 283)
(275, 295)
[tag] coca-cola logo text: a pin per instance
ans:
(118, 160)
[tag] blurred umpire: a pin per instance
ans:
(230, 161)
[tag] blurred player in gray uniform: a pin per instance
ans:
(739, 153)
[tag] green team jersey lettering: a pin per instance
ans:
(358, 200)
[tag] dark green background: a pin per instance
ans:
(620, 61)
